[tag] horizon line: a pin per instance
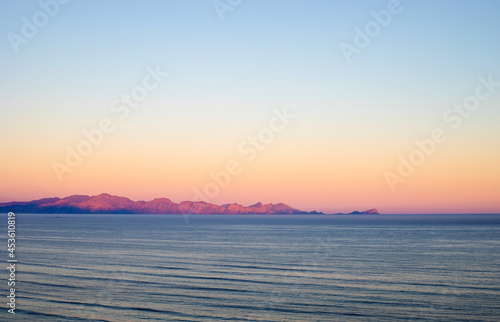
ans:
(324, 213)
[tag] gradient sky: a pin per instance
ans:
(352, 120)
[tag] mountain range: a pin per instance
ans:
(108, 204)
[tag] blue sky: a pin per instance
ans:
(264, 50)
(226, 75)
(279, 43)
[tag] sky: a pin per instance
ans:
(331, 106)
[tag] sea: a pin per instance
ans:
(254, 268)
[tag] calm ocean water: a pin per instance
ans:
(256, 268)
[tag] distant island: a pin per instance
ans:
(366, 212)
(108, 204)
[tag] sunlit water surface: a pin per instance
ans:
(256, 268)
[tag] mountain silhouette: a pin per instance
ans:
(108, 204)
